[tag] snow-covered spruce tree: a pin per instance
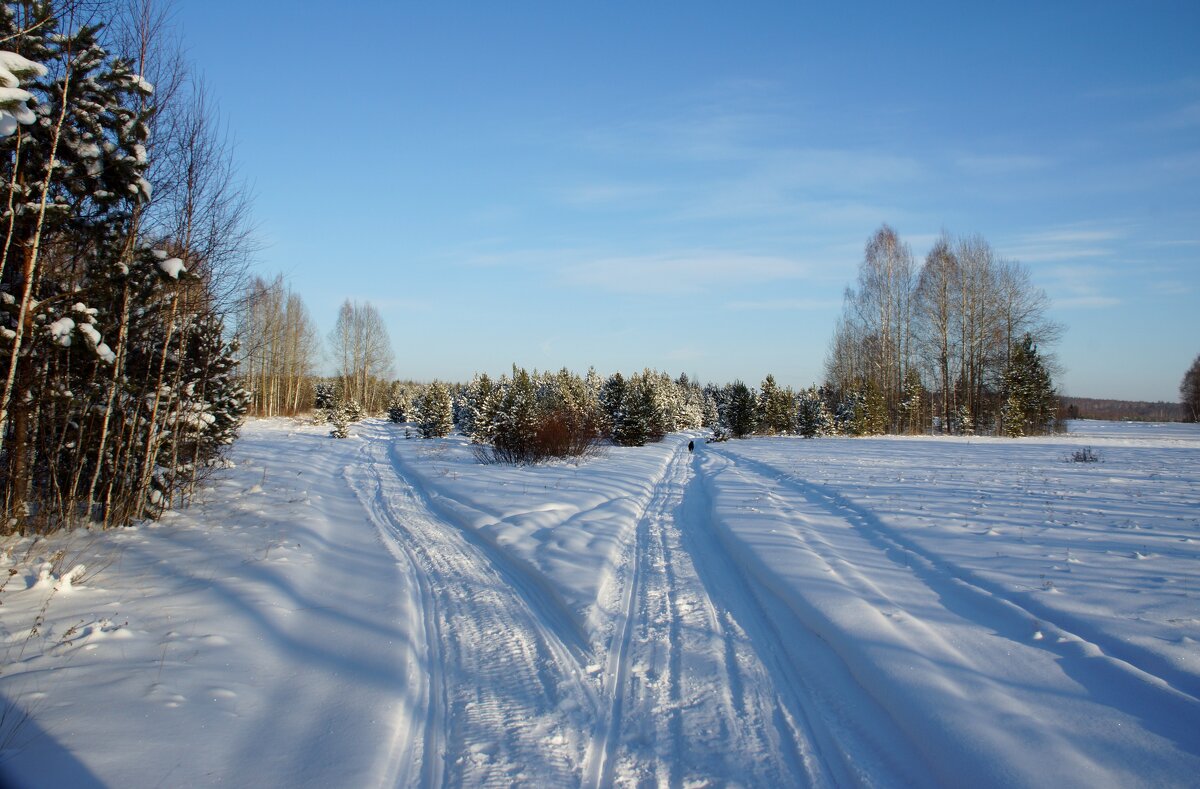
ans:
(812, 416)
(846, 414)
(471, 414)
(435, 411)
(1030, 404)
(711, 414)
(396, 412)
(640, 413)
(515, 419)
(339, 418)
(480, 398)
(629, 405)
(741, 415)
(775, 415)
(401, 401)
(691, 407)
(323, 394)
(612, 403)
(665, 405)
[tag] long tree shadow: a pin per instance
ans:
(33, 757)
(1168, 709)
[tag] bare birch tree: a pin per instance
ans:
(362, 355)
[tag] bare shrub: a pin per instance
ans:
(555, 434)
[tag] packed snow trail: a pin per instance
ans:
(947, 659)
(507, 697)
(708, 683)
(688, 702)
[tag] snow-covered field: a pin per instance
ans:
(379, 611)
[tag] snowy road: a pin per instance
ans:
(772, 612)
(505, 694)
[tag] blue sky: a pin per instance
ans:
(689, 186)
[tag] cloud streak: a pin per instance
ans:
(674, 272)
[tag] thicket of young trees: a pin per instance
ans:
(124, 236)
(936, 344)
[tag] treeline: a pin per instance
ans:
(1121, 410)
(953, 344)
(124, 239)
(526, 417)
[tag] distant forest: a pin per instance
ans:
(1127, 410)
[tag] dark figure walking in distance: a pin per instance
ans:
(691, 445)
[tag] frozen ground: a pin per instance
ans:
(380, 611)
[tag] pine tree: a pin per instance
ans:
(612, 402)
(323, 396)
(640, 414)
(774, 408)
(742, 410)
(118, 386)
(1030, 404)
(340, 420)
(691, 406)
(435, 411)
(475, 418)
(711, 413)
(812, 417)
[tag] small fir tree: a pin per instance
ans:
(774, 408)
(339, 417)
(1030, 403)
(742, 410)
(435, 411)
(323, 396)
(812, 417)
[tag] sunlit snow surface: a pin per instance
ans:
(379, 611)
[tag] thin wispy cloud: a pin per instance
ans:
(1060, 244)
(1080, 287)
(675, 272)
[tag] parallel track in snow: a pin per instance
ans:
(506, 693)
(1001, 608)
(878, 595)
(702, 684)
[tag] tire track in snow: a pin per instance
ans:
(1012, 614)
(511, 696)
(935, 607)
(829, 728)
(691, 700)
